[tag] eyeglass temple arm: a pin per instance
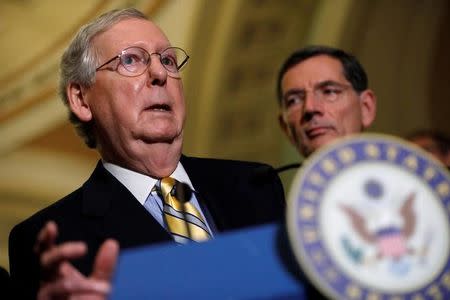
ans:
(184, 62)
(112, 59)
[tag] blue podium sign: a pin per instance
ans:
(244, 264)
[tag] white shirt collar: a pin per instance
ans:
(141, 185)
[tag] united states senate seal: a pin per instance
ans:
(368, 218)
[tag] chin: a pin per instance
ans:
(319, 142)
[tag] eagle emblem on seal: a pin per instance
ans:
(386, 230)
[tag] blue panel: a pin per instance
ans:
(237, 265)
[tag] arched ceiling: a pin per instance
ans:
(236, 48)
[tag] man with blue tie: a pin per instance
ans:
(120, 79)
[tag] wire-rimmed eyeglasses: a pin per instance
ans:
(324, 92)
(134, 61)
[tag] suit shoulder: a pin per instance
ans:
(51, 212)
(61, 209)
(215, 163)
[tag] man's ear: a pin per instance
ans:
(285, 128)
(368, 103)
(77, 102)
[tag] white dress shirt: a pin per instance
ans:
(141, 187)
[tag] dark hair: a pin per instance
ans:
(353, 70)
(442, 140)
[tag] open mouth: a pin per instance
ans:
(160, 107)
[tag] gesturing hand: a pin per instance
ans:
(61, 280)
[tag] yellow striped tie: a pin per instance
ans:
(184, 221)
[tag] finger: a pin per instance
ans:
(72, 287)
(64, 270)
(67, 270)
(106, 260)
(46, 237)
(54, 259)
(65, 251)
(89, 296)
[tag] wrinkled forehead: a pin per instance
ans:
(130, 32)
(312, 71)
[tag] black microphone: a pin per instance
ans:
(265, 173)
(288, 167)
(183, 193)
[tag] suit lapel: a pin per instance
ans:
(116, 213)
(211, 194)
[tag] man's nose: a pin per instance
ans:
(312, 106)
(312, 102)
(157, 72)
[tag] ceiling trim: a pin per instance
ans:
(57, 44)
(151, 8)
(28, 103)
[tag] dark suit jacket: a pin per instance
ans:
(4, 284)
(233, 194)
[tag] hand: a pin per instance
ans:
(61, 279)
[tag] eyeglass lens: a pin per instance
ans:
(135, 60)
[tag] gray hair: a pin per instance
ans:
(79, 61)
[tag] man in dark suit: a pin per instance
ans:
(120, 79)
(323, 95)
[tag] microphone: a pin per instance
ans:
(265, 173)
(288, 167)
(183, 192)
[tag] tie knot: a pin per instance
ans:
(182, 218)
(167, 185)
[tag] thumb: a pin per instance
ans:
(106, 260)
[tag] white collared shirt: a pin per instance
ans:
(141, 186)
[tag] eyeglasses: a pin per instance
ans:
(325, 92)
(134, 61)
